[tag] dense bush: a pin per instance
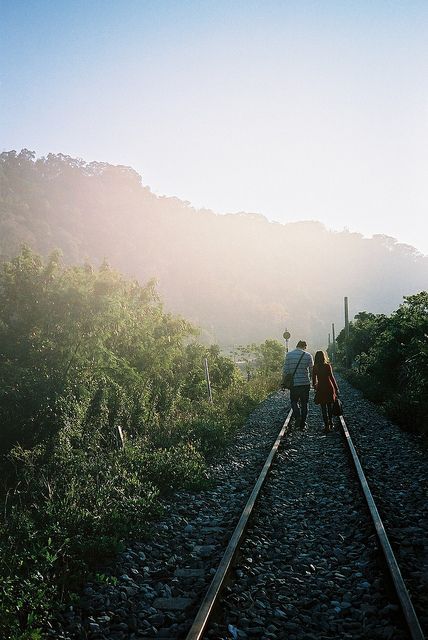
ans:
(389, 356)
(104, 410)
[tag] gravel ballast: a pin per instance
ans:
(310, 567)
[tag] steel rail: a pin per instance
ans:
(400, 587)
(214, 590)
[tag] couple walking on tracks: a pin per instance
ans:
(299, 368)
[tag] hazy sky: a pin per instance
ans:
(297, 110)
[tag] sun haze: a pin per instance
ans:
(297, 110)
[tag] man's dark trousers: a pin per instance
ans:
(299, 397)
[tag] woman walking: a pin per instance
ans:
(326, 389)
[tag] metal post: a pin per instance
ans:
(121, 436)
(347, 359)
(333, 347)
(286, 335)
(329, 341)
(207, 378)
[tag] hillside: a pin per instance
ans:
(239, 276)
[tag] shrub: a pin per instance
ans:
(84, 357)
(390, 359)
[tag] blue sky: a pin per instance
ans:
(297, 110)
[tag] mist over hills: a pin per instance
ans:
(238, 276)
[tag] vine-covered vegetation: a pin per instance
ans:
(389, 356)
(104, 410)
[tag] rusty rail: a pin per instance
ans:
(400, 587)
(212, 595)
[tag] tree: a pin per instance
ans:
(390, 358)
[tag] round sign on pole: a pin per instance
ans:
(286, 335)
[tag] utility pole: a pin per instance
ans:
(333, 347)
(347, 359)
(329, 341)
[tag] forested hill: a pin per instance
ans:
(238, 276)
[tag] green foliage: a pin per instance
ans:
(270, 357)
(62, 330)
(390, 359)
(86, 359)
(265, 360)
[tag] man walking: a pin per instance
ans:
(300, 363)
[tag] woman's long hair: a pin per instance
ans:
(321, 358)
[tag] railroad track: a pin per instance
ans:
(309, 566)
(238, 601)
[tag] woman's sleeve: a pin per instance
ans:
(314, 377)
